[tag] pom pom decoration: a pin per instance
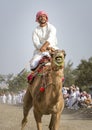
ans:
(63, 79)
(42, 89)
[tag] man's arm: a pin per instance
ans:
(44, 46)
(36, 41)
(52, 39)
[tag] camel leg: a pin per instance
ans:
(38, 116)
(55, 121)
(51, 123)
(27, 104)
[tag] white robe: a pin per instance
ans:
(39, 37)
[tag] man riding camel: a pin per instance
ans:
(48, 79)
(44, 39)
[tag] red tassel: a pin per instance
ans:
(30, 77)
(63, 79)
(42, 89)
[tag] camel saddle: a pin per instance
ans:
(40, 68)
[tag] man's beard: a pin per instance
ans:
(42, 21)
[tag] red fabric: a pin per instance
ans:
(44, 59)
(30, 77)
(39, 70)
(41, 13)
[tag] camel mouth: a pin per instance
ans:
(59, 59)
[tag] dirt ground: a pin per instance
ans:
(11, 116)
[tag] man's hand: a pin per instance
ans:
(44, 46)
(42, 49)
(50, 49)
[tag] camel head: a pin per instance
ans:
(58, 57)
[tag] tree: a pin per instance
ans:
(2, 79)
(19, 82)
(69, 76)
(84, 73)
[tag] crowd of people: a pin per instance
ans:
(75, 98)
(12, 98)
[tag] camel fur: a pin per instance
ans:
(50, 101)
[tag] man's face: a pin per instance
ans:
(42, 19)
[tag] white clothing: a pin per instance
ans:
(9, 99)
(64, 91)
(36, 58)
(77, 94)
(83, 98)
(72, 99)
(43, 34)
(39, 37)
(4, 98)
(13, 99)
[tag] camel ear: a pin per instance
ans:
(52, 53)
(63, 51)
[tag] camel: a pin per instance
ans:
(44, 94)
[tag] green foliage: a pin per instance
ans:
(2, 78)
(81, 76)
(84, 73)
(69, 76)
(19, 82)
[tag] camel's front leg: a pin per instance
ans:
(55, 121)
(38, 116)
(27, 104)
(51, 123)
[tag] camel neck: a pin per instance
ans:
(56, 79)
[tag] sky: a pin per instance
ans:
(72, 19)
